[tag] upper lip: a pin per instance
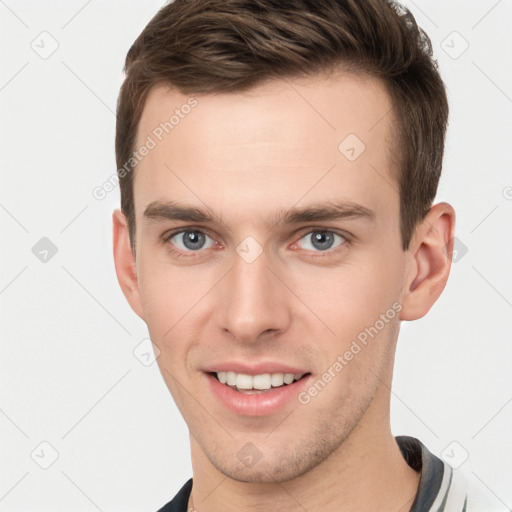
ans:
(254, 368)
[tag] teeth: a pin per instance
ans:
(277, 379)
(288, 378)
(261, 381)
(243, 381)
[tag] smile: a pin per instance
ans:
(256, 383)
(262, 394)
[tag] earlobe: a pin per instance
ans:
(124, 260)
(430, 256)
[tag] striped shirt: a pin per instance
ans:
(441, 488)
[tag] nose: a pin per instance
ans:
(253, 304)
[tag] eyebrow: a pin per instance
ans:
(318, 212)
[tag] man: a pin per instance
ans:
(278, 163)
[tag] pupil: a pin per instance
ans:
(193, 240)
(322, 240)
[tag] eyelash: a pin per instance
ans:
(191, 254)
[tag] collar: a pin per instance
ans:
(433, 478)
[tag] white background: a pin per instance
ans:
(68, 373)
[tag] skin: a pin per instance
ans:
(246, 158)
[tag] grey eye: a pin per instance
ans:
(321, 240)
(191, 240)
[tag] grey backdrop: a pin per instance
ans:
(86, 421)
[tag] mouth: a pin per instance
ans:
(262, 388)
(256, 384)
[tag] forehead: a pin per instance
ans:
(279, 142)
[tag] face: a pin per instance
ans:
(268, 245)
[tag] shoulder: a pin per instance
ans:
(462, 491)
(444, 489)
(479, 497)
(180, 501)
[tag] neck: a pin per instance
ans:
(366, 472)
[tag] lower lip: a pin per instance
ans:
(257, 404)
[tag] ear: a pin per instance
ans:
(430, 260)
(125, 263)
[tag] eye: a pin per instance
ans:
(191, 240)
(321, 240)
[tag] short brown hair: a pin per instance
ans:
(199, 46)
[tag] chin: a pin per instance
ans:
(278, 465)
(265, 473)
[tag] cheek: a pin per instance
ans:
(174, 309)
(352, 296)
(168, 292)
